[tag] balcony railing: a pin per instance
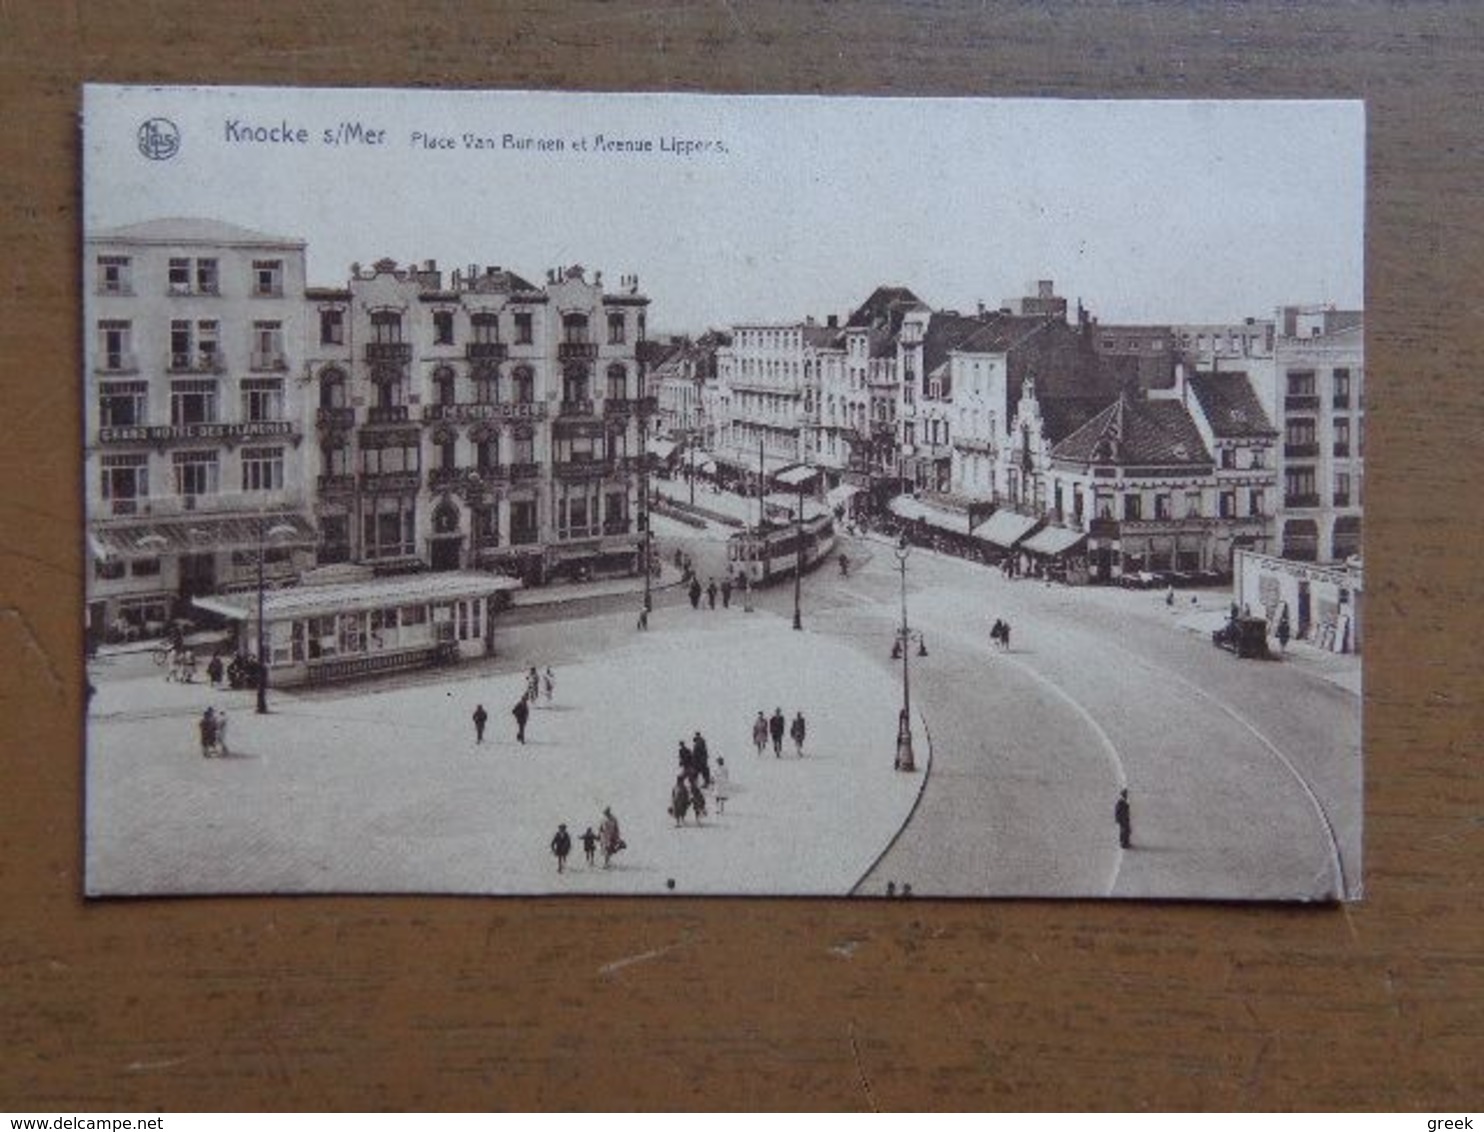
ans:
(486, 411)
(336, 416)
(486, 351)
(524, 536)
(119, 361)
(618, 406)
(390, 481)
(576, 351)
(581, 408)
(1308, 449)
(400, 352)
(386, 414)
(1342, 499)
(342, 484)
(440, 479)
(579, 469)
(267, 361)
(213, 502)
(1302, 499)
(209, 362)
(1301, 401)
(1342, 401)
(617, 526)
(1342, 448)
(526, 470)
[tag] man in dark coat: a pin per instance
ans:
(522, 712)
(796, 732)
(561, 845)
(701, 758)
(481, 717)
(687, 761)
(695, 593)
(775, 730)
(726, 592)
(711, 593)
(1124, 818)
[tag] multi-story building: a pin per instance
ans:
(869, 404)
(1245, 347)
(194, 427)
(1319, 357)
(491, 423)
(770, 397)
(678, 375)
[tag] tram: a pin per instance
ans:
(771, 552)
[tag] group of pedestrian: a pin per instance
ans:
(213, 729)
(766, 729)
(537, 683)
(608, 839)
(695, 777)
(999, 634)
(711, 591)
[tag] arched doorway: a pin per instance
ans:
(1301, 540)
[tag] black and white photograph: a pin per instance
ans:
(512, 494)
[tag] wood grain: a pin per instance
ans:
(458, 1003)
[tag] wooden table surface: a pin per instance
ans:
(311, 1003)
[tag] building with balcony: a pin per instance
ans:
(194, 423)
(1319, 359)
(485, 423)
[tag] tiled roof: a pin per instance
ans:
(885, 306)
(1230, 405)
(190, 230)
(1136, 432)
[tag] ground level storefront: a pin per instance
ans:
(1321, 603)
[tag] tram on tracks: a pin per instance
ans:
(771, 551)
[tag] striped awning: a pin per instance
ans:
(200, 534)
(1052, 541)
(906, 507)
(1005, 528)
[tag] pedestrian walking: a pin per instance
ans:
(1124, 819)
(1284, 630)
(726, 592)
(589, 845)
(711, 593)
(561, 845)
(775, 730)
(533, 685)
(610, 840)
(700, 756)
(214, 670)
(796, 732)
(679, 800)
(723, 782)
(207, 727)
(760, 732)
(697, 801)
(522, 712)
(548, 683)
(1005, 636)
(687, 760)
(643, 622)
(221, 735)
(695, 593)
(481, 717)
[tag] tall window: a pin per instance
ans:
(487, 453)
(616, 328)
(267, 346)
(443, 386)
(1298, 431)
(262, 469)
(267, 278)
(523, 383)
(1301, 383)
(523, 527)
(386, 327)
(115, 276)
(335, 461)
(182, 343)
(125, 478)
(1342, 436)
(332, 393)
(262, 399)
(391, 458)
(574, 383)
(192, 402)
(178, 276)
(485, 326)
(114, 345)
(574, 329)
(618, 382)
(1298, 484)
(1255, 503)
(208, 346)
(196, 473)
(1133, 506)
(1193, 504)
(331, 327)
(207, 279)
(1342, 489)
(443, 328)
(524, 333)
(123, 403)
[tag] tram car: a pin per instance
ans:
(771, 552)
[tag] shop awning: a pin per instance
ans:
(200, 534)
(661, 448)
(296, 602)
(1005, 528)
(700, 462)
(906, 507)
(839, 496)
(1052, 541)
(796, 476)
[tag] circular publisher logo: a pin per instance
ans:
(159, 139)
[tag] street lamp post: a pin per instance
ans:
(799, 560)
(644, 506)
(263, 533)
(905, 636)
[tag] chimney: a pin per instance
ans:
(833, 321)
(1044, 289)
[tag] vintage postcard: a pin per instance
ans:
(532, 493)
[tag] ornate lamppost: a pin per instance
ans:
(905, 638)
(277, 531)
